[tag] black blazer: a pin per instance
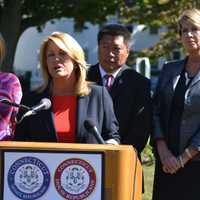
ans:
(132, 104)
(190, 121)
(97, 106)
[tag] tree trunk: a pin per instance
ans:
(10, 29)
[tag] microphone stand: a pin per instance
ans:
(7, 102)
(23, 107)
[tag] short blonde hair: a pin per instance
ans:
(2, 48)
(192, 16)
(68, 44)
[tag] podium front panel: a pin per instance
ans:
(43, 175)
(41, 171)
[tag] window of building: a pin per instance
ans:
(153, 30)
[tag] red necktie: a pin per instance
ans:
(109, 81)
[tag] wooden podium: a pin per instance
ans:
(122, 172)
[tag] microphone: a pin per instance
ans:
(44, 104)
(8, 102)
(90, 126)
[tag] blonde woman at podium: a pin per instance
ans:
(73, 99)
(10, 91)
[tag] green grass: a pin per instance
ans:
(148, 171)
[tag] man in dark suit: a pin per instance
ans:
(129, 90)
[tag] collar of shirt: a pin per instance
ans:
(103, 73)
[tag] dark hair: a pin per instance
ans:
(114, 30)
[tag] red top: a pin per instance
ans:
(64, 109)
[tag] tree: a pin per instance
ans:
(157, 13)
(18, 15)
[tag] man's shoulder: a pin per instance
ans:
(93, 67)
(93, 70)
(133, 75)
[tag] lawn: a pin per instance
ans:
(148, 170)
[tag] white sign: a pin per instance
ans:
(60, 175)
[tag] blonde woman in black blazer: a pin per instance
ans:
(64, 70)
(177, 119)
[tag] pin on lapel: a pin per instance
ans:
(120, 81)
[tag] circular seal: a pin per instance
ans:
(75, 179)
(28, 178)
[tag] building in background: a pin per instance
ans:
(27, 60)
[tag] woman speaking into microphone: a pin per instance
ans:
(73, 99)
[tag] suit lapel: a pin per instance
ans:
(82, 105)
(172, 79)
(118, 83)
(195, 80)
(48, 117)
(49, 120)
(177, 69)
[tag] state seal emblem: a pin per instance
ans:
(75, 179)
(28, 178)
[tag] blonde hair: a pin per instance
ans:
(2, 49)
(68, 44)
(192, 16)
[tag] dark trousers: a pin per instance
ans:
(184, 185)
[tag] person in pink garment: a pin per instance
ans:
(10, 89)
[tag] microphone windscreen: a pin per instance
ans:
(89, 124)
(46, 102)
